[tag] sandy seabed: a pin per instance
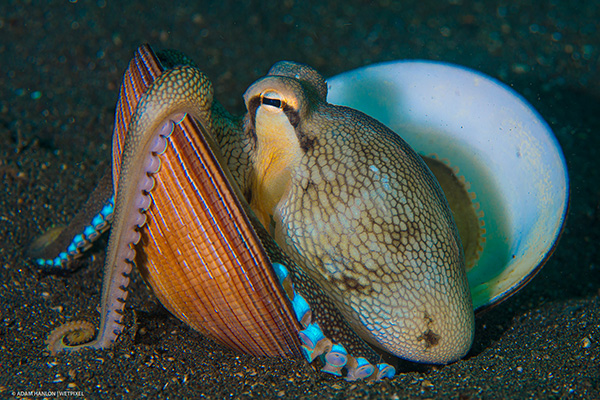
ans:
(61, 66)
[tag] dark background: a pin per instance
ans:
(61, 64)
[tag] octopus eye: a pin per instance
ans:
(272, 99)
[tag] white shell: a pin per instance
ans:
(499, 143)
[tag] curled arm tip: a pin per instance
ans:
(77, 333)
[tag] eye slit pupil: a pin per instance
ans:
(272, 102)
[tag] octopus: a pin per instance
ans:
(299, 229)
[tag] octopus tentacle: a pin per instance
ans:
(58, 247)
(75, 332)
(164, 101)
(316, 343)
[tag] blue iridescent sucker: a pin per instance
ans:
(60, 246)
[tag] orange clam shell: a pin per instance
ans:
(199, 252)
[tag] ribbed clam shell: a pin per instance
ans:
(198, 251)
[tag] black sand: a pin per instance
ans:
(60, 67)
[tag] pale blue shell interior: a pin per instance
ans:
(490, 135)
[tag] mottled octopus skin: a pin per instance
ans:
(367, 220)
(355, 207)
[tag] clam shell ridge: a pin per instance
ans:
(185, 235)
